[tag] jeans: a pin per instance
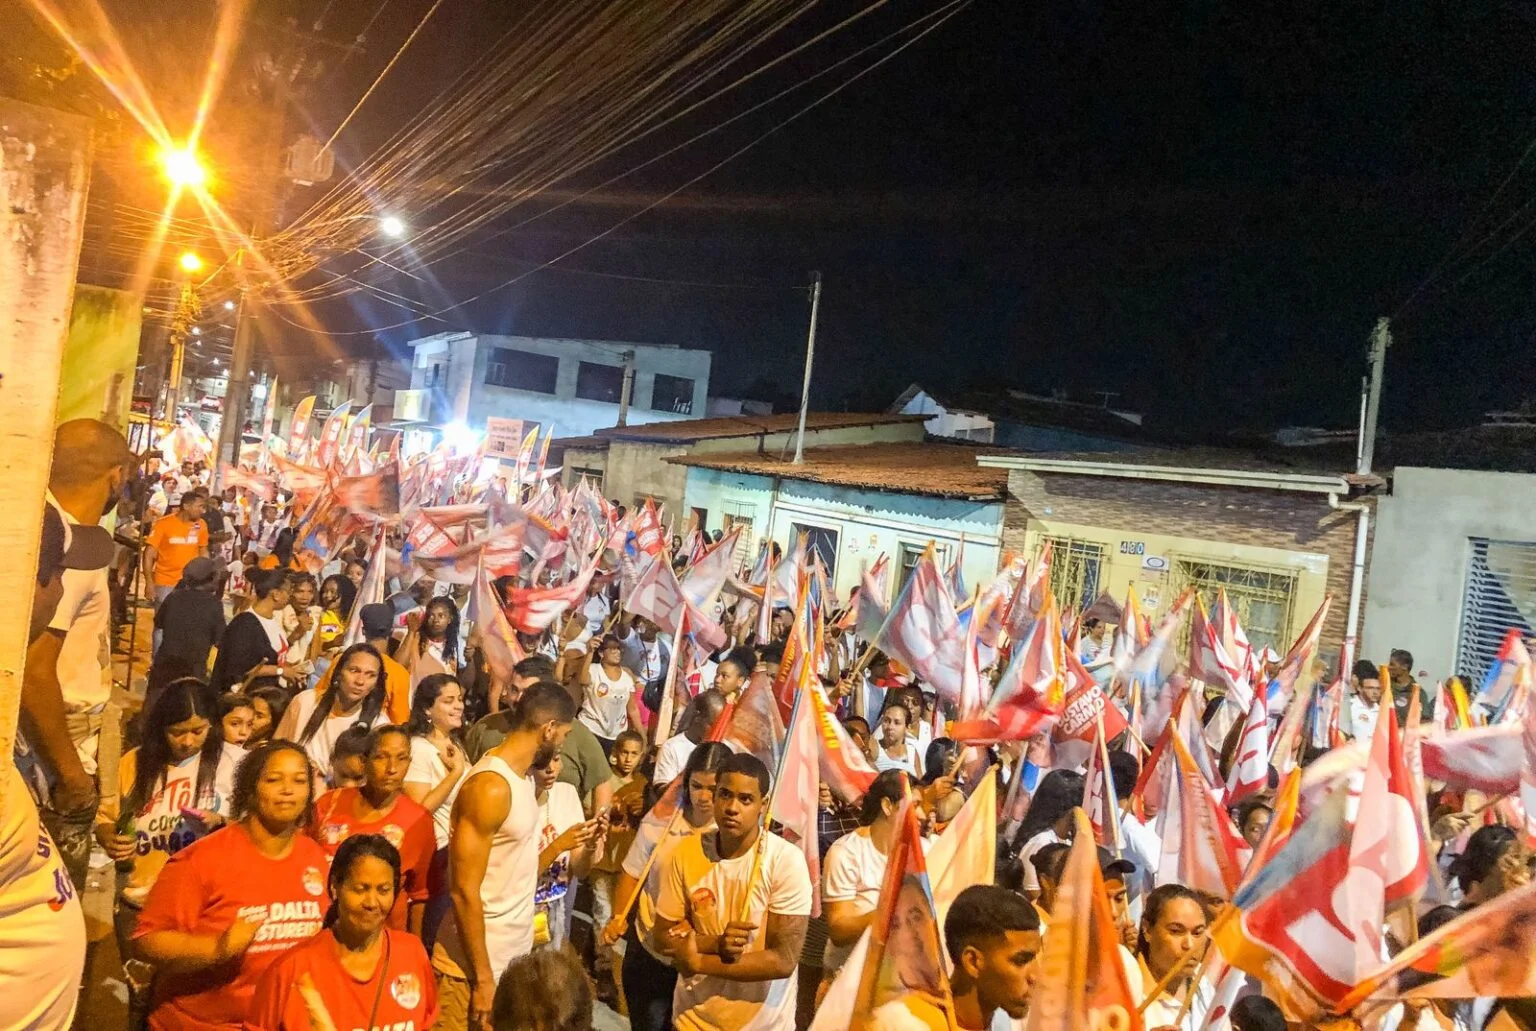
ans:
(648, 986)
(160, 594)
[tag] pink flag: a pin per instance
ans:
(752, 724)
(330, 435)
(650, 538)
(1032, 692)
(370, 592)
(1201, 848)
(702, 582)
(923, 630)
(502, 650)
(500, 552)
(844, 767)
(797, 787)
(1250, 769)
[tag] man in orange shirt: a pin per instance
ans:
(176, 539)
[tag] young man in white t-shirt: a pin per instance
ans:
(732, 913)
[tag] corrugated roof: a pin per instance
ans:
(931, 469)
(689, 430)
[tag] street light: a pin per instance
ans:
(229, 305)
(182, 167)
(190, 262)
(392, 226)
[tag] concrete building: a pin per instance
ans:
(1024, 421)
(856, 503)
(1453, 568)
(1162, 521)
(571, 386)
(630, 461)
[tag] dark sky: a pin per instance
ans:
(1202, 206)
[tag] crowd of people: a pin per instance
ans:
(335, 807)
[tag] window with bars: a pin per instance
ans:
(746, 545)
(820, 541)
(1500, 594)
(1077, 566)
(1263, 598)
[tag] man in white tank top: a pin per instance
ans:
(493, 859)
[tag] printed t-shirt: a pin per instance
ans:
(407, 1002)
(204, 889)
(605, 702)
(42, 930)
(708, 892)
(319, 747)
(427, 767)
(161, 829)
(655, 834)
(558, 812)
(176, 542)
(407, 826)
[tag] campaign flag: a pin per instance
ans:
(1099, 799)
(801, 650)
(904, 969)
(355, 442)
(330, 435)
(1486, 759)
(484, 612)
(543, 459)
(1201, 847)
(375, 494)
(870, 603)
(1032, 692)
(974, 687)
(1151, 667)
(1250, 766)
(298, 431)
(369, 592)
(1508, 680)
(650, 538)
(797, 785)
(1085, 706)
(1528, 773)
(995, 601)
(954, 578)
(1451, 708)
(1082, 982)
(1389, 808)
(702, 582)
(426, 537)
(1295, 668)
(752, 723)
(500, 552)
(1484, 953)
(922, 630)
(262, 485)
(966, 852)
(844, 766)
(1029, 597)
(533, 610)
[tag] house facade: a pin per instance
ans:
(1270, 538)
(569, 387)
(855, 503)
(631, 462)
(1453, 568)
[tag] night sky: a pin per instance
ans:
(1200, 206)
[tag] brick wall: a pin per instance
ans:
(1285, 520)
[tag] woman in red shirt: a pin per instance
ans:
(379, 807)
(229, 904)
(357, 973)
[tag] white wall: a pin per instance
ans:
(944, 423)
(868, 523)
(1420, 553)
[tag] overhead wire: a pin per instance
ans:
(949, 11)
(380, 77)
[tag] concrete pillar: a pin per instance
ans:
(45, 164)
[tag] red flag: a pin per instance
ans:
(844, 768)
(702, 581)
(298, 430)
(1389, 817)
(535, 609)
(1082, 982)
(1099, 800)
(752, 724)
(502, 650)
(1032, 692)
(370, 592)
(650, 538)
(330, 435)
(1029, 597)
(500, 552)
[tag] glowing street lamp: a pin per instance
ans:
(190, 262)
(392, 226)
(182, 167)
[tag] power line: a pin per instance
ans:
(369, 92)
(951, 9)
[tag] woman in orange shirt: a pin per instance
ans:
(357, 972)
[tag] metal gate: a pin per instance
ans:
(1500, 593)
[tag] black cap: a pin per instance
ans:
(1111, 865)
(378, 619)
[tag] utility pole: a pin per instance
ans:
(810, 357)
(626, 387)
(1381, 339)
(1365, 452)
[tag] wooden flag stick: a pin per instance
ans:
(1161, 986)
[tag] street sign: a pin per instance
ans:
(503, 437)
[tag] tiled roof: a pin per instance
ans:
(944, 470)
(578, 443)
(1277, 460)
(689, 430)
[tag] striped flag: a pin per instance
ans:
(1508, 680)
(922, 630)
(533, 610)
(1250, 767)
(1030, 697)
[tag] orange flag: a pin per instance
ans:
(1082, 982)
